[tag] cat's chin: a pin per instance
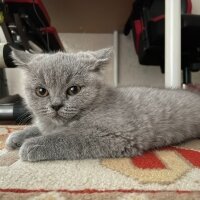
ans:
(58, 120)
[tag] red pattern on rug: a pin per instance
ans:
(150, 160)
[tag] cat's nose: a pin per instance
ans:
(57, 107)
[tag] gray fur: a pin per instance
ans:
(99, 121)
(16, 140)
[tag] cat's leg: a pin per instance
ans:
(76, 146)
(16, 139)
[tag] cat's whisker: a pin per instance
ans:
(70, 109)
(22, 118)
(25, 120)
(70, 112)
(42, 112)
(22, 115)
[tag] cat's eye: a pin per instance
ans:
(41, 92)
(73, 90)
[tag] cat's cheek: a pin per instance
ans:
(82, 101)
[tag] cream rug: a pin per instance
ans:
(168, 173)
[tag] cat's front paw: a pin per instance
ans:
(14, 141)
(32, 150)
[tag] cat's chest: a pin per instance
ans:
(46, 127)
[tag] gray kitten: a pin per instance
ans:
(77, 116)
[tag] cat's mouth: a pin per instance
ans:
(56, 116)
(62, 116)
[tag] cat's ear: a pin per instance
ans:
(103, 57)
(21, 58)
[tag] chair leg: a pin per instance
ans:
(186, 75)
(3, 84)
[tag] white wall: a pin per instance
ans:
(196, 7)
(15, 81)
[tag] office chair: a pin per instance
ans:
(147, 22)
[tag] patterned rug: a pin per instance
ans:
(168, 173)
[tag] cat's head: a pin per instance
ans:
(59, 86)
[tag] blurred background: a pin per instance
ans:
(134, 28)
(90, 24)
